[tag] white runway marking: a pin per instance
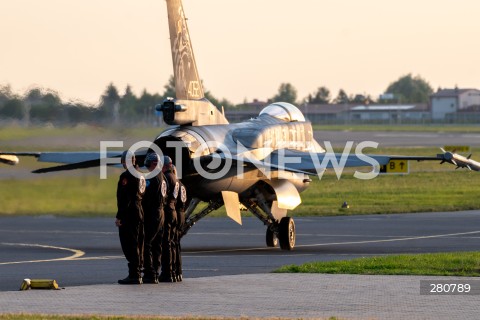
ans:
(76, 253)
(100, 258)
(391, 240)
(193, 254)
(346, 243)
(60, 232)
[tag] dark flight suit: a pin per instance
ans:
(180, 208)
(130, 191)
(169, 229)
(153, 203)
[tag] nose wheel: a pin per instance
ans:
(286, 234)
(272, 240)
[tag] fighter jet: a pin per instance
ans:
(260, 165)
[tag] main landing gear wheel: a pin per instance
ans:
(272, 240)
(286, 233)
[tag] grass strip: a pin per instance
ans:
(17, 132)
(463, 264)
(429, 187)
(420, 192)
(84, 195)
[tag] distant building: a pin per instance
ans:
(342, 113)
(446, 105)
(447, 102)
(246, 110)
(371, 113)
(325, 113)
(395, 113)
(256, 104)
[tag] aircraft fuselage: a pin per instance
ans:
(256, 137)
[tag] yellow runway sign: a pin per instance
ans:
(395, 166)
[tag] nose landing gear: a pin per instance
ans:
(272, 240)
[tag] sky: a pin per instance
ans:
(244, 48)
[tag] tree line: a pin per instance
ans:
(115, 107)
(407, 89)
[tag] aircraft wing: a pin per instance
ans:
(61, 157)
(70, 160)
(292, 160)
(310, 163)
(313, 163)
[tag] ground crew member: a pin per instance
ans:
(153, 203)
(180, 208)
(129, 218)
(168, 247)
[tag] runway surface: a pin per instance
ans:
(86, 251)
(336, 137)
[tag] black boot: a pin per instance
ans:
(150, 279)
(129, 280)
(165, 278)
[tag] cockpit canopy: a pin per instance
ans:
(283, 111)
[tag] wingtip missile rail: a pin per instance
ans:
(9, 159)
(459, 160)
